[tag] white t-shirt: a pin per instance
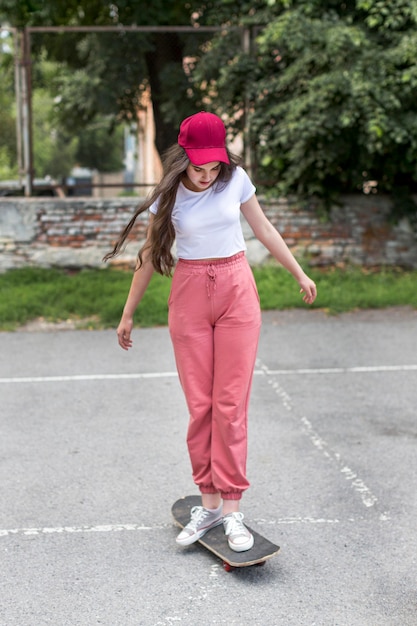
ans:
(207, 223)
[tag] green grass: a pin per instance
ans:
(339, 290)
(98, 295)
(55, 295)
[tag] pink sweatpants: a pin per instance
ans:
(214, 322)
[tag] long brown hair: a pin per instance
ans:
(161, 234)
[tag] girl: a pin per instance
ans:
(214, 313)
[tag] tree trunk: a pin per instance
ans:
(167, 49)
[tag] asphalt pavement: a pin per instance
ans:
(93, 454)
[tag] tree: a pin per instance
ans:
(330, 86)
(54, 151)
(333, 94)
(98, 145)
(109, 71)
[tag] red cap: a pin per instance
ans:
(203, 137)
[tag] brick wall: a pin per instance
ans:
(76, 233)
(358, 231)
(72, 233)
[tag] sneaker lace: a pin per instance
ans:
(235, 525)
(198, 514)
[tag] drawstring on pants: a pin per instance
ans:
(211, 279)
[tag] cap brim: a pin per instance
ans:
(201, 156)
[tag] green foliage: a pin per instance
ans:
(340, 103)
(57, 150)
(107, 73)
(54, 153)
(100, 146)
(328, 89)
(8, 169)
(385, 15)
(332, 94)
(8, 156)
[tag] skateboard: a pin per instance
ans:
(216, 542)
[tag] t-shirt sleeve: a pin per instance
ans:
(154, 207)
(248, 188)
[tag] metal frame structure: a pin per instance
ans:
(23, 81)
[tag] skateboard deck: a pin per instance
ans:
(216, 542)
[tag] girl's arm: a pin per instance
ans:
(272, 240)
(140, 281)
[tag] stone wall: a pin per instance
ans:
(68, 232)
(358, 232)
(75, 233)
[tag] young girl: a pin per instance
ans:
(214, 314)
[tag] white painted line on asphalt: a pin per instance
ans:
(348, 370)
(384, 517)
(147, 375)
(86, 377)
(368, 498)
(111, 528)
(103, 528)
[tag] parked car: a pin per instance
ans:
(40, 187)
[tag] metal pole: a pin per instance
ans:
(27, 114)
(18, 97)
(246, 45)
(122, 28)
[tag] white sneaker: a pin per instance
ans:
(238, 536)
(202, 520)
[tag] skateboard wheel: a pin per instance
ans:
(227, 567)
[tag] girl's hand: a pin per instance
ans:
(308, 288)
(123, 333)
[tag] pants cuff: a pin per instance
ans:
(232, 495)
(208, 489)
